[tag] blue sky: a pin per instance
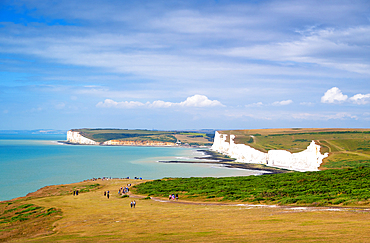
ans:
(184, 64)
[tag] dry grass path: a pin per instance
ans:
(91, 217)
(334, 145)
(342, 150)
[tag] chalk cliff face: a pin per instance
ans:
(76, 137)
(307, 160)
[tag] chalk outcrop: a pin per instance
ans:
(307, 160)
(77, 138)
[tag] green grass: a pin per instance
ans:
(102, 135)
(330, 187)
(15, 214)
(300, 139)
(346, 147)
(86, 188)
(94, 218)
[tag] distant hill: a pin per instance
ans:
(346, 147)
(195, 138)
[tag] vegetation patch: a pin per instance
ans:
(345, 146)
(19, 218)
(86, 188)
(329, 187)
(191, 138)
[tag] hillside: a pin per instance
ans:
(185, 137)
(54, 214)
(346, 147)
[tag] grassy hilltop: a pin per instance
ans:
(266, 208)
(346, 147)
(53, 214)
(191, 138)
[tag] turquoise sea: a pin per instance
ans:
(29, 162)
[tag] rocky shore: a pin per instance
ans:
(212, 157)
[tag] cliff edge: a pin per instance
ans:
(77, 138)
(307, 160)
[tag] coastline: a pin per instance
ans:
(131, 145)
(212, 157)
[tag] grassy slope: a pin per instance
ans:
(91, 217)
(101, 135)
(329, 187)
(346, 147)
(23, 217)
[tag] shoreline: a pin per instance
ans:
(216, 158)
(129, 145)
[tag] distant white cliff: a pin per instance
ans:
(76, 137)
(307, 160)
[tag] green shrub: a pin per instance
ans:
(308, 188)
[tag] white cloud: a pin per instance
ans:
(200, 101)
(341, 49)
(283, 102)
(160, 104)
(333, 95)
(307, 103)
(258, 104)
(360, 99)
(123, 104)
(193, 101)
(325, 117)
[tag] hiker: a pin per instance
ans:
(108, 194)
(131, 204)
(76, 192)
(169, 197)
(134, 203)
(105, 193)
(177, 196)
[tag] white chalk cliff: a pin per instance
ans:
(76, 137)
(307, 160)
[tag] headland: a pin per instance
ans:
(55, 214)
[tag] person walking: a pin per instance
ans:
(131, 204)
(134, 203)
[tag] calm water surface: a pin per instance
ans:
(29, 162)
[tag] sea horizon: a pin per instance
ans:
(32, 161)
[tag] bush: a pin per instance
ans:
(308, 188)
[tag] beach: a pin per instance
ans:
(214, 158)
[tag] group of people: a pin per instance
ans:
(106, 193)
(173, 197)
(124, 190)
(75, 193)
(133, 204)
